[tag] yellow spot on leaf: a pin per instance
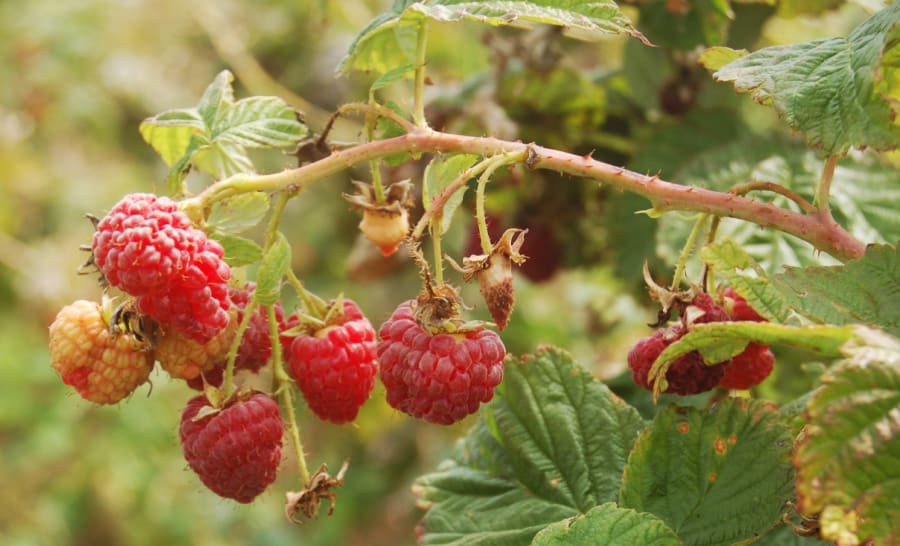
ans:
(720, 446)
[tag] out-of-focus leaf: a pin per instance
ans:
(608, 525)
(389, 40)
(847, 468)
(862, 195)
(392, 76)
(439, 174)
(715, 58)
(551, 445)
(716, 476)
(686, 24)
(170, 132)
(272, 270)
(239, 213)
(794, 8)
(832, 90)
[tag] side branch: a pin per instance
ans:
(664, 196)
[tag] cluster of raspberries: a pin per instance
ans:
(690, 374)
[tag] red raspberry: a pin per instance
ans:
(689, 374)
(709, 311)
(749, 368)
(235, 451)
(103, 368)
(335, 367)
(147, 247)
(739, 309)
(441, 378)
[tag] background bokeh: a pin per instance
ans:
(77, 79)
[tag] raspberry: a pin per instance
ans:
(739, 309)
(385, 228)
(103, 368)
(689, 374)
(184, 358)
(749, 368)
(335, 367)
(441, 378)
(147, 247)
(235, 451)
(709, 311)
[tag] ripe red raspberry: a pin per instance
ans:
(738, 307)
(256, 345)
(703, 309)
(235, 451)
(689, 374)
(103, 368)
(441, 378)
(749, 368)
(335, 367)
(148, 248)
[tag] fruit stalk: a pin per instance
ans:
(665, 196)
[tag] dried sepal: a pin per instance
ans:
(321, 486)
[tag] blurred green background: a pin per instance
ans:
(78, 78)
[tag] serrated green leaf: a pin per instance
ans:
(214, 135)
(257, 122)
(272, 270)
(170, 133)
(862, 199)
(719, 341)
(391, 76)
(715, 476)
(608, 525)
(439, 174)
(550, 445)
(866, 290)
(693, 23)
(827, 88)
(240, 251)
(238, 214)
(389, 40)
(847, 462)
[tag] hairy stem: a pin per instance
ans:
(664, 196)
(228, 381)
(762, 185)
(824, 189)
(480, 219)
(419, 92)
(436, 229)
(687, 250)
(282, 380)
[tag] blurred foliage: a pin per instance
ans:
(81, 76)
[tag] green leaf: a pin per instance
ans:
(551, 445)
(715, 476)
(439, 174)
(214, 135)
(389, 40)
(170, 133)
(240, 251)
(847, 461)
(862, 198)
(272, 270)
(687, 24)
(828, 89)
(866, 290)
(238, 214)
(719, 341)
(608, 525)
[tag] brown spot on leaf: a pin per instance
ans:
(684, 428)
(720, 446)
